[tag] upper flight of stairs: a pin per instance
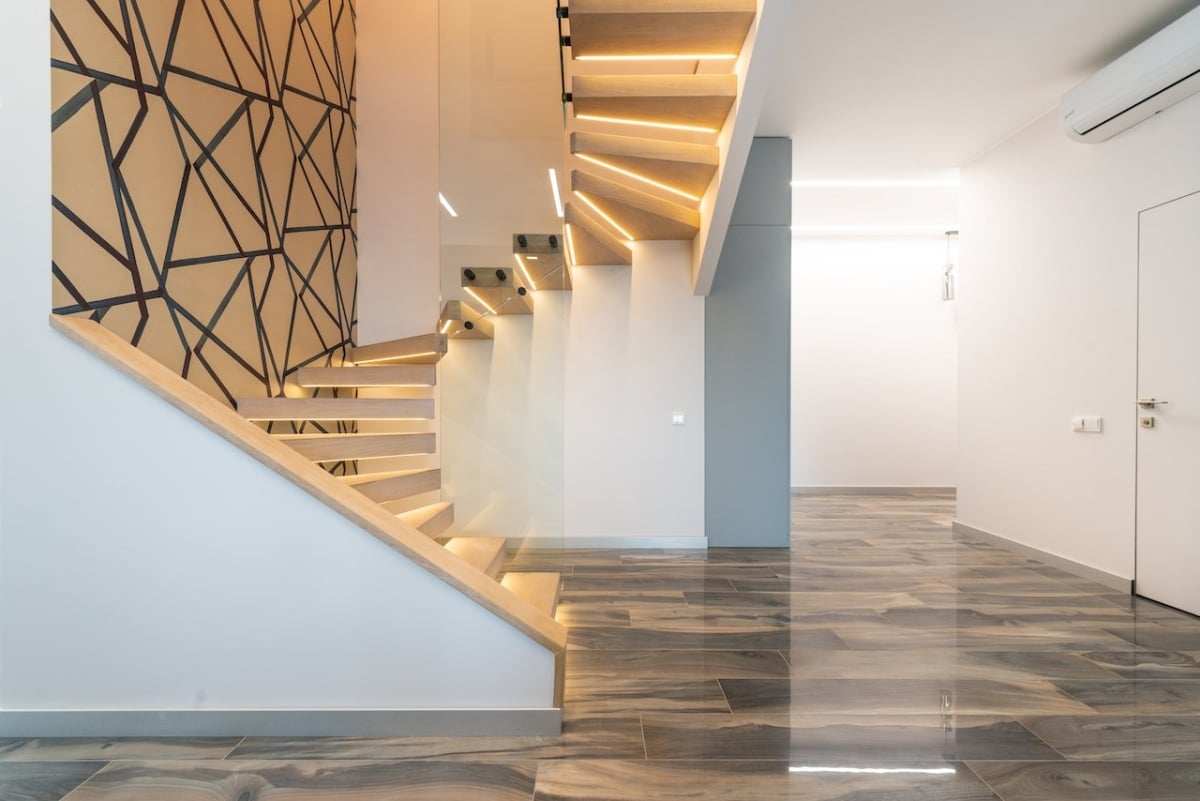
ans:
(405, 364)
(651, 87)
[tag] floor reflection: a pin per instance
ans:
(882, 657)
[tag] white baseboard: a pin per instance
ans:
(278, 722)
(836, 490)
(1095, 574)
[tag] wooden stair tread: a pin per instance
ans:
(461, 320)
(650, 150)
(542, 265)
(266, 409)
(700, 101)
(482, 553)
(392, 486)
(648, 27)
(501, 299)
(687, 182)
(430, 520)
(598, 186)
(539, 590)
(421, 349)
(592, 241)
(638, 224)
(346, 447)
(398, 375)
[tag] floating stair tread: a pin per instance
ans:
(701, 101)
(392, 486)
(640, 224)
(267, 409)
(482, 553)
(594, 243)
(606, 28)
(398, 375)
(461, 320)
(502, 299)
(421, 349)
(688, 178)
(597, 186)
(539, 590)
(430, 520)
(345, 447)
(603, 144)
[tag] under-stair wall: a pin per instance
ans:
(155, 580)
(560, 428)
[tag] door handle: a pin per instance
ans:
(1149, 403)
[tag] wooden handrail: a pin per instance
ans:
(351, 504)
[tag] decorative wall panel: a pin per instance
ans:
(204, 181)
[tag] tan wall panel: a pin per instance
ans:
(186, 160)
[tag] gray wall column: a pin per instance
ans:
(747, 361)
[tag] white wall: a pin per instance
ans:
(398, 176)
(147, 564)
(874, 363)
(559, 430)
(1048, 330)
(635, 355)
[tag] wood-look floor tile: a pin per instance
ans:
(898, 697)
(631, 697)
(1016, 637)
(842, 739)
(308, 781)
(746, 781)
(1135, 663)
(943, 663)
(78, 749)
(802, 604)
(1159, 637)
(43, 781)
(608, 737)
(1092, 781)
(1151, 696)
(659, 664)
(615, 638)
(618, 584)
(1121, 738)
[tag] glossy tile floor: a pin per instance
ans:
(882, 659)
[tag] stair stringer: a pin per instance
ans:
(209, 587)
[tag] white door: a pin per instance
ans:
(1168, 439)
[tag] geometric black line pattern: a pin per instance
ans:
(204, 183)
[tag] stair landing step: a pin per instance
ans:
(539, 590)
(482, 553)
(430, 520)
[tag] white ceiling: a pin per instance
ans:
(910, 88)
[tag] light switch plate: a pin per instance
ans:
(678, 419)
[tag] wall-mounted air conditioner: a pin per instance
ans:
(1156, 74)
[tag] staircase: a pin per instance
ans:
(409, 365)
(650, 85)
